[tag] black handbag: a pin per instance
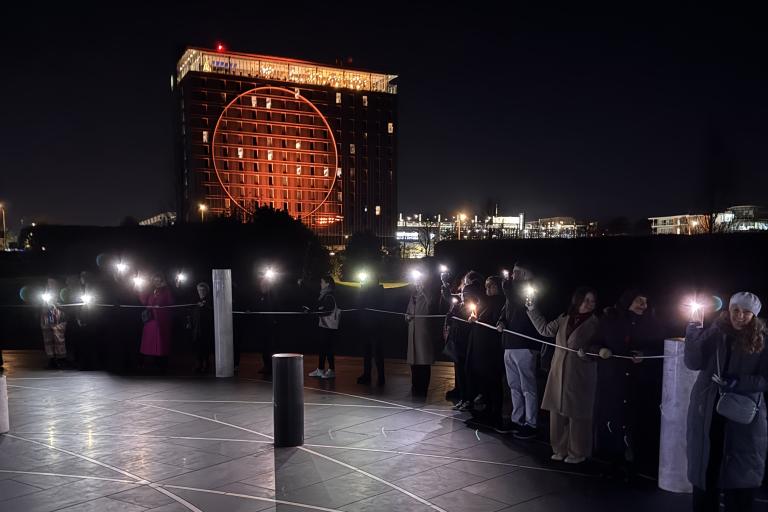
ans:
(735, 406)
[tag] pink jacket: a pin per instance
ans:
(156, 337)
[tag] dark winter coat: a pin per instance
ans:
(745, 445)
(485, 357)
(626, 389)
(514, 317)
(201, 320)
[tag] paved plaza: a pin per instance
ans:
(91, 441)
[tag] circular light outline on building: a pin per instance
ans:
(296, 96)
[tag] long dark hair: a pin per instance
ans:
(578, 297)
(750, 339)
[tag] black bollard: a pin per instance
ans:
(288, 399)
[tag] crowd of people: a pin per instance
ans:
(502, 345)
(600, 403)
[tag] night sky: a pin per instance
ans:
(593, 114)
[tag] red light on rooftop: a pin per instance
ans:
(219, 47)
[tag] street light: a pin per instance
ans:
(460, 217)
(270, 274)
(5, 233)
(362, 277)
(203, 208)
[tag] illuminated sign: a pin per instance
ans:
(407, 235)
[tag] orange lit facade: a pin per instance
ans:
(316, 141)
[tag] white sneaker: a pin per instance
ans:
(317, 373)
(574, 460)
(557, 457)
(329, 374)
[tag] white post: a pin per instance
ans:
(222, 321)
(5, 424)
(675, 397)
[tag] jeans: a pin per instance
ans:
(520, 365)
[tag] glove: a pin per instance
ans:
(605, 353)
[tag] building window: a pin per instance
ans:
(298, 170)
(269, 102)
(338, 98)
(326, 172)
(338, 172)
(365, 101)
(378, 210)
(338, 196)
(205, 136)
(351, 149)
(239, 152)
(390, 128)
(269, 154)
(298, 144)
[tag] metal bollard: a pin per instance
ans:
(5, 424)
(676, 392)
(222, 320)
(288, 399)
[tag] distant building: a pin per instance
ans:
(161, 219)
(736, 219)
(559, 227)
(317, 141)
(685, 224)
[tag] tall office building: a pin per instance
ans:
(317, 141)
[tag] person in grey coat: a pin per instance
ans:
(724, 455)
(421, 346)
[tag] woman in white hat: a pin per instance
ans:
(726, 453)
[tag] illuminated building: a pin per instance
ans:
(736, 219)
(317, 141)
